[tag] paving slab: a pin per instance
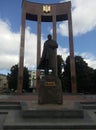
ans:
(2, 118)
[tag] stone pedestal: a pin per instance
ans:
(50, 90)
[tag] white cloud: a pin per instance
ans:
(63, 51)
(90, 59)
(91, 62)
(10, 44)
(31, 48)
(83, 17)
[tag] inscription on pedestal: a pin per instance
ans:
(50, 84)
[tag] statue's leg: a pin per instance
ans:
(46, 71)
(46, 67)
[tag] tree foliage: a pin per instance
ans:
(13, 78)
(85, 76)
(66, 76)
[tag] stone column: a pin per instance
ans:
(55, 38)
(72, 59)
(38, 40)
(21, 56)
(38, 48)
(54, 27)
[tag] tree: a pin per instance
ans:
(60, 68)
(93, 82)
(84, 75)
(13, 77)
(66, 76)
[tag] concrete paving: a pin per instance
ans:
(5, 96)
(2, 119)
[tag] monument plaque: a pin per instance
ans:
(50, 84)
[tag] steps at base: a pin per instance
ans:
(32, 116)
(9, 105)
(33, 110)
(15, 121)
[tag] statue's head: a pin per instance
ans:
(49, 36)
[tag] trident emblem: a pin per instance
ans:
(46, 9)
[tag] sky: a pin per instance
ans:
(84, 33)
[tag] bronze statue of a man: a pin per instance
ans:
(48, 59)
